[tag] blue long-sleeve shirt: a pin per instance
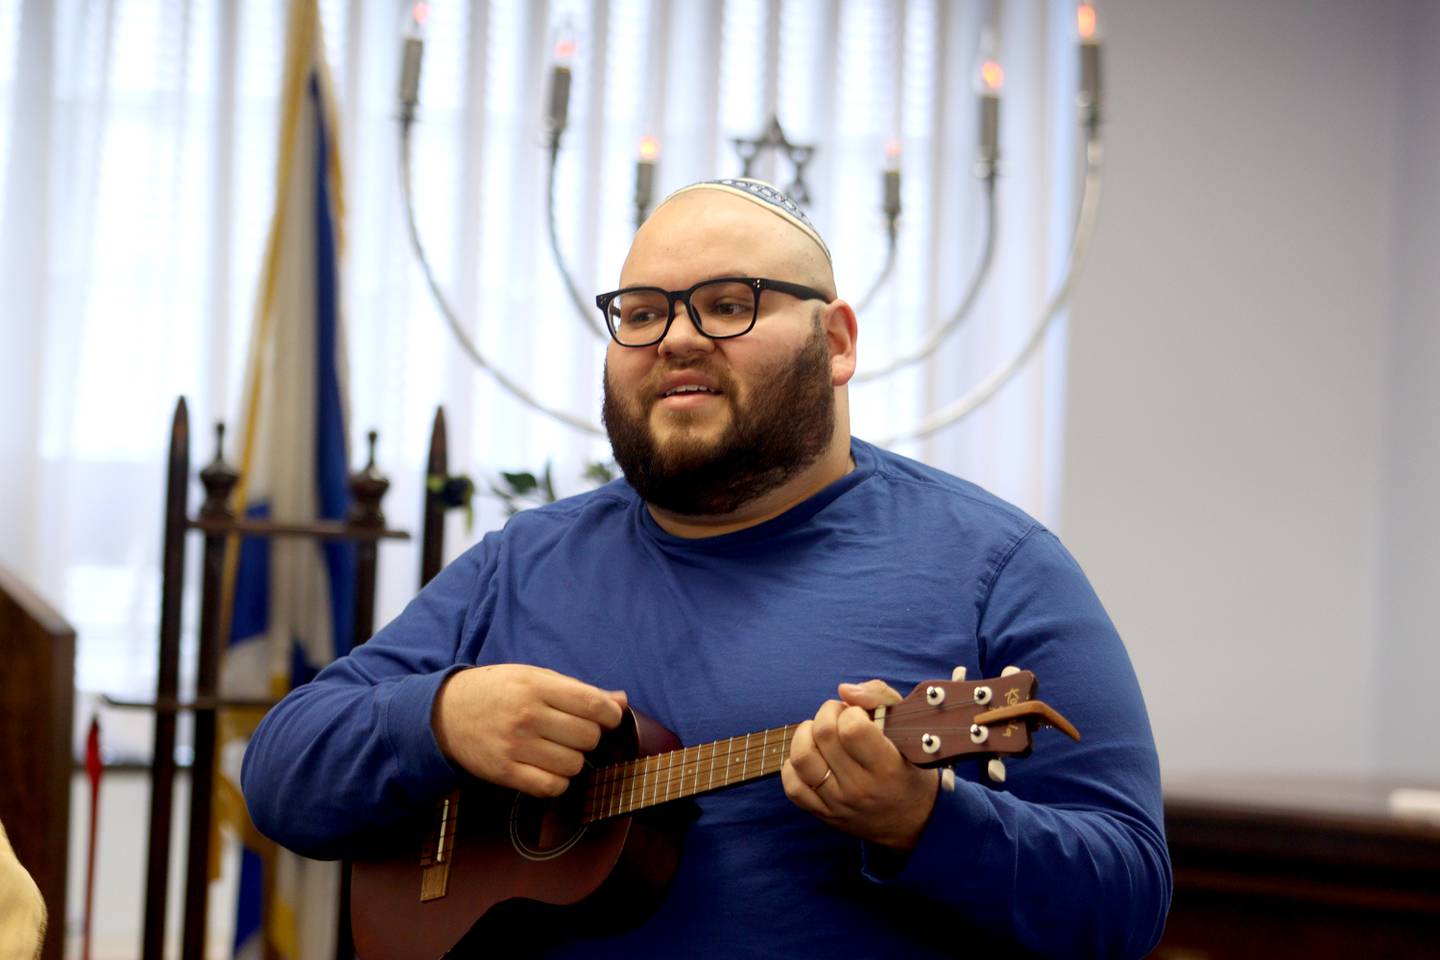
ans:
(895, 571)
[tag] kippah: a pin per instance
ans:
(764, 194)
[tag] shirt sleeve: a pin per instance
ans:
(1068, 856)
(354, 749)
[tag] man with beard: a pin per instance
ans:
(754, 563)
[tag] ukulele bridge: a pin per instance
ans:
(438, 851)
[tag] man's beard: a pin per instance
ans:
(784, 427)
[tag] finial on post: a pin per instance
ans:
(367, 487)
(219, 479)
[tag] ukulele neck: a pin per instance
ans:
(622, 788)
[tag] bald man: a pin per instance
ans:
(755, 566)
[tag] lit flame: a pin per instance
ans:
(892, 157)
(1085, 18)
(992, 75)
(649, 148)
(564, 49)
(420, 13)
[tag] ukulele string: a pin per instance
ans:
(897, 711)
(635, 772)
(673, 772)
(630, 771)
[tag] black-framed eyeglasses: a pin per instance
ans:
(720, 309)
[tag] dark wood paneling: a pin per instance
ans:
(1299, 867)
(37, 696)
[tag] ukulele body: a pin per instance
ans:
(523, 870)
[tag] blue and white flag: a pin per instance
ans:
(292, 608)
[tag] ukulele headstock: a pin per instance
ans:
(942, 720)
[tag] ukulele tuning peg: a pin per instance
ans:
(947, 780)
(1009, 671)
(995, 769)
(958, 673)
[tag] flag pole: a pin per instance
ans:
(94, 768)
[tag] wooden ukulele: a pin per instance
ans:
(608, 847)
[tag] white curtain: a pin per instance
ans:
(137, 153)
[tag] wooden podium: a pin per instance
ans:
(37, 697)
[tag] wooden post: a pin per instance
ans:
(432, 542)
(219, 479)
(367, 488)
(162, 758)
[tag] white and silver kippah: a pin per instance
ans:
(766, 195)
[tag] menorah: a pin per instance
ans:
(989, 86)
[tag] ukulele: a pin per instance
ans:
(606, 849)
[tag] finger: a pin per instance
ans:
(567, 730)
(800, 792)
(827, 741)
(864, 743)
(535, 781)
(870, 694)
(582, 700)
(805, 759)
(550, 757)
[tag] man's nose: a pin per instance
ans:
(683, 337)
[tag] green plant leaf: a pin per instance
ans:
(522, 482)
(600, 472)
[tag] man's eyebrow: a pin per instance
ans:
(716, 275)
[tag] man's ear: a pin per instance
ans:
(841, 330)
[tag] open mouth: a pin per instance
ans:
(689, 388)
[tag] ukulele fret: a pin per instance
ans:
(651, 763)
(629, 785)
(607, 790)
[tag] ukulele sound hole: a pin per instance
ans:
(542, 829)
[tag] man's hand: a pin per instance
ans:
(522, 727)
(844, 771)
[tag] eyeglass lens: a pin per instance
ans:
(723, 308)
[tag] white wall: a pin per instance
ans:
(1253, 347)
(1410, 494)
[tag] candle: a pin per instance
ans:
(411, 55)
(991, 78)
(560, 86)
(1089, 93)
(645, 174)
(892, 180)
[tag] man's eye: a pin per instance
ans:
(639, 317)
(730, 309)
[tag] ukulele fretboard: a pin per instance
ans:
(631, 785)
